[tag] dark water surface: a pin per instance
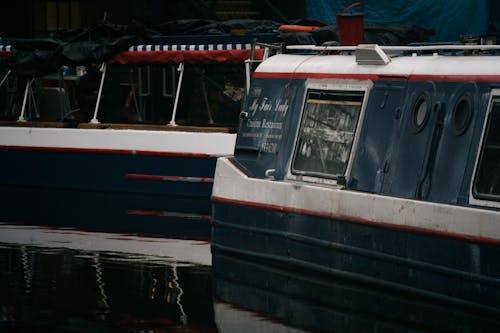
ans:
(67, 281)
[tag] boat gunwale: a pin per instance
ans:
(121, 126)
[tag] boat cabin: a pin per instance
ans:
(411, 122)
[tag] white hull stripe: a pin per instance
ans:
(213, 144)
(470, 224)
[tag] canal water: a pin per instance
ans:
(56, 278)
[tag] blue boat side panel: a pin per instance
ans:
(272, 114)
(451, 166)
(380, 125)
(404, 170)
(432, 163)
(106, 171)
(414, 262)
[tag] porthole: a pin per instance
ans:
(420, 114)
(461, 115)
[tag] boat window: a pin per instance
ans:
(487, 182)
(461, 115)
(327, 133)
(420, 113)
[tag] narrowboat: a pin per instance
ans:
(376, 165)
(146, 127)
(264, 297)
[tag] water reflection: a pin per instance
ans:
(59, 280)
(151, 215)
(62, 279)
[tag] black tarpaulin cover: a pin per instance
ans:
(36, 57)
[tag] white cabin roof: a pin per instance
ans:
(433, 65)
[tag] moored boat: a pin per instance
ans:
(376, 165)
(149, 121)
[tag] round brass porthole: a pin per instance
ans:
(462, 114)
(420, 113)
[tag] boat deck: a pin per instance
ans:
(132, 126)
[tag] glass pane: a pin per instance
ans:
(488, 176)
(327, 132)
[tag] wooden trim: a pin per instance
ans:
(145, 127)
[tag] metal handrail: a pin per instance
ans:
(437, 47)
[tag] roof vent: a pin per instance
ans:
(371, 54)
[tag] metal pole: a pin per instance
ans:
(174, 112)
(248, 63)
(94, 119)
(5, 77)
(23, 109)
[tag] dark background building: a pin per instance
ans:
(35, 18)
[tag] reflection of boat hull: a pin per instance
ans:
(180, 217)
(162, 250)
(117, 288)
(325, 302)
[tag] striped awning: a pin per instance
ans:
(232, 52)
(187, 47)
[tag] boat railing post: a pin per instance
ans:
(174, 111)
(5, 77)
(32, 101)
(103, 70)
(25, 99)
(248, 63)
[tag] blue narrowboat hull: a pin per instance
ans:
(465, 276)
(144, 182)
(309, 301)
(109, 170)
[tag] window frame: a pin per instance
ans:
(463, 98)
(421, 98)
(329, 86)
(475, 198)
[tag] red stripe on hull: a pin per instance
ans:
(136, 176)
(160, 213)
(258, 205)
